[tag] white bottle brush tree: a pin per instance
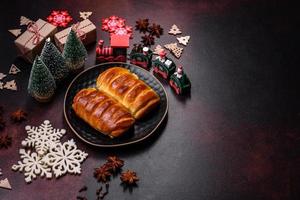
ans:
(53, 59)
(41, 83)
(74, 52)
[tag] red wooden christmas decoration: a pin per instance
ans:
(59, 18)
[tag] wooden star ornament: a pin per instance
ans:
(184, 40)
(85, 15)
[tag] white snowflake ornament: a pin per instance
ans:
(42, 137)
(32, 166)
(65, 158)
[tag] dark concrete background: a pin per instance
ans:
(236, 137)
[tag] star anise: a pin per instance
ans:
(18, 116)
(102, 173)
(5, 141)
(114, 163)
(148, 40)
(129, 177)
(2, 123)
(142, 25)
(156, 30)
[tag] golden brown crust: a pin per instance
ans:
(126, 88)
(102, 112)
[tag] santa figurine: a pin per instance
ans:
(162, 56)
(179, 72)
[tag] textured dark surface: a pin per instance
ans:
(235, 137)
(141, 130)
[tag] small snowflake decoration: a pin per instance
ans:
(42, 137)
(124, 31)
(59, 18)
(32, 166)
(112, 23)
(65, 158)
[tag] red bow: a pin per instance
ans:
(33, 28)
(79, 32)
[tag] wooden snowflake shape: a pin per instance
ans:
(65, 158)
(14, 69)
(32, 166)
(174, 30)
(184, 40)
(42, 137)
(24, 21)
(2, 76)
(85, 15)
(11, 85)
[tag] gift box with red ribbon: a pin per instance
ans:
(85, 30)
(31, 42)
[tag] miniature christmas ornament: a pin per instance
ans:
(74, 52)
(179, 81)
(170, 46)
(174, 30)
(85, 31)
(41, 83)
(156, 30)
(5, 184)
(53, 59)
(85, 15)
(129, 177)
(142, 25)
(183, 40)
(11, 85)
(32, 166)
(5, 141)
(148, 40)
(2, 76)
(141, 56)
(24, 21)
(59, 18)
(42, 137)
(163, 66)
(15, 32)
(177, 51)
(112, 23)
(65, 158)
(18, 116)
(31, 42)
(14, 69)
(158, 49)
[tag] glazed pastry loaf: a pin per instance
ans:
(126, 88)
(102, 112)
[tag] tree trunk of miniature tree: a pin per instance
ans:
(53, 59)
(41, 83)
(74, 52)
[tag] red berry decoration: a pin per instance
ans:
(112, 23)
(59, 18)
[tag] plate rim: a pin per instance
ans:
(122, 144)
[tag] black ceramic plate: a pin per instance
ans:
(141, 130)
